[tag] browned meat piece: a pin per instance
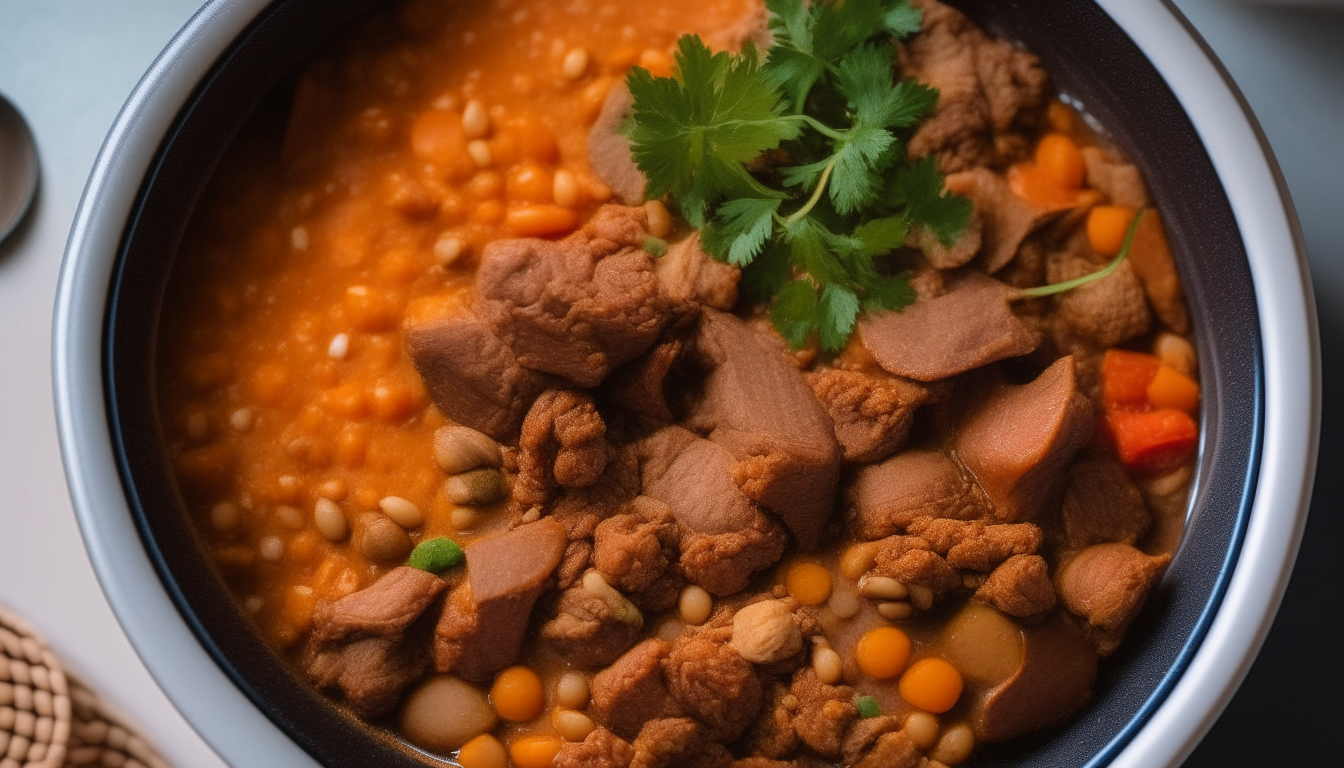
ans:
(639, 384)
(578, 555)
(472, 375)
(373, 643)
(601, 749)
(661, 594)
(1101, 505)
(577, 308)
(1052, 681)
(864, 734)
(891, 750)
(1151, 257)
(912, 561)
(689, 275)
(482, 628)
(725, 537)
(714, 684)
(872, 415)
(885, 498)
(993, 95)
(609, 149)
(1019, 587)
(632, 550)
(772, 735)
(765, 762)
(383, 609)
(563, 445)
(1107, 584)
(969, 326)
(1121, 182)
(371, 673)
(632, 691)
(592, 630)
(824, 712)
(964, 248)
(1105, 312)
(668, 741)
(581, 509)
(975, 545)
(1019, 441)
(1008, 219)
(789, 466)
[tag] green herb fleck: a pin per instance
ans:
(867, 707)
(794, 167)
(436, 555)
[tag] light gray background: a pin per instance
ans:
(69, 64)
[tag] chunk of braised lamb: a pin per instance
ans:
(578, 556)
(789, 466)
(371, 673)
(577, 308)
(632, 691)
(885, 498)
(632, 550)
(912, 561)
(872, 415)
(1101, 505)
(385, 608)
(1150, 255)
(1107, 585)
(599, 749)
(970, 326)
(725, 537)
(668, 741)
(824, 712)
(592, 628)
(1105, 312)
(1008, 218)
(891, 750)
(1019, 440)
(713, 683)
(483, 625)
(974, 545)
(473, 376)
(1120, 181)
(1019, 587)
(640, 385)
(690, 275)
(772, 735)
(992, 95)
(563, 445)
(661, 595)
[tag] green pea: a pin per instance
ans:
(867, 707)
(436, 555)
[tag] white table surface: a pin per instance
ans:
(69, 64)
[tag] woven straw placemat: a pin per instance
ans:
(48, 719)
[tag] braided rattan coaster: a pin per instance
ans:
(49, 720)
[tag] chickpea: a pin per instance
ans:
(695, 605)
(572, 690)
(955, 745)
(922, 728)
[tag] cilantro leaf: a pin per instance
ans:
(903, 20)
(837, 312)
(692, 135)
(920, 189)
(794, 312)
(740, 229)
(889, 293)
(882, 236)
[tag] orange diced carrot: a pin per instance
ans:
(1172, 389)
(1125, 377)
(1154, 441)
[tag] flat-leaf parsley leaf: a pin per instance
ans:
(794, 167)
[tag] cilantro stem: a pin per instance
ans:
(1078, 282)
(801, 213)
(824, 129)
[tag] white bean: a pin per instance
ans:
(475, 120)
(575, 64)
(883, 588)
(827, 665)
(402, 512)
(922, 728)
(224, 516)
(695, 604)
(330, 520)
(571, 725)
(572, 690)
(565, 189)
(955, 745)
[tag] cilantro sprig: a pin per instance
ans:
(794, 166)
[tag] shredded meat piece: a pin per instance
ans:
(668, 741)
(872, 415)
(661, 594)
(577, 557)
(634, 549)
(892, 750)
(824, 712)
(864, 734)
(563, 445)
(1121, 182)
(1105, 312)
(912, 561)
(1101, 504)
(713, 683)
(1107, 584)
(688, 274)
(1020, 587)
(974, 545)
(601, 749)
(372, 673)
(383, 609)
(589, 631)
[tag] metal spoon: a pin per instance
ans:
(18, 168)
